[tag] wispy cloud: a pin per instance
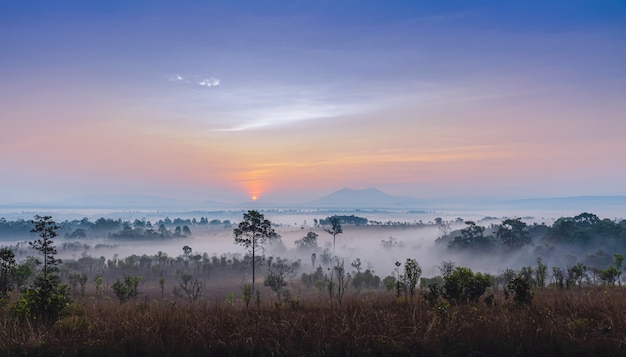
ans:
(195, 80)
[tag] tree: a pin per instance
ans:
(577, 273)
(412, 273)
(541, 273)
(188, 288)
(609, 275)
(471, 237)
(619, 260)
(252, 233)
(308, 242)
(47, 297)
(520, 287)
(335, 228)
(279, 270)
(127, 289)
(187, 251)
(513, 233)
(7, 265)
(463, 285)
(46, 228)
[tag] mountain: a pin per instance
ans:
(369, 198)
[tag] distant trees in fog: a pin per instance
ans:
(584, 230)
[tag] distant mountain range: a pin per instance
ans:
(369, 198)
(346, 198)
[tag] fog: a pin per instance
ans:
(405, 234)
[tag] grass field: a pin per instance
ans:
(575, 322)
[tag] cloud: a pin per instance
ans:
(196, 80)
(209, 82)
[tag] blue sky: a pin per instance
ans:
(291, 100)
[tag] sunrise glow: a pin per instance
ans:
(292, 103)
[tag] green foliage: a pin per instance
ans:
(313, 278)
(308, 242)
(432, 293)
(472, 237)
(463, 286)
(559, 277)
(246, 294)
(541, 272)
(128, 289)
(44, 300)
(619, 260)
(513, 233)
(410, 278)
(520, 287)
(343, 219)
(46, 229)
(279, 270)
(609, 275)
(366, 279)
(99, 281)
(576, 274)
(389, 282)
(7, 266)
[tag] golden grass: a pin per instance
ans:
(579, 322)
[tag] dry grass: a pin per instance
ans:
(578, 322)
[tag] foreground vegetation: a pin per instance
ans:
(47, 308)
(586, 321)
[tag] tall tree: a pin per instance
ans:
(335, 228)
(513, 233)
(253, 231)
(46, 229)
(7, 265)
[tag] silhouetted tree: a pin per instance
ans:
(335, 228)
(46, 228)
(252, 233)
(7, 265)
(513, 233)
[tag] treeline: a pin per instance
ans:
(115, 228)
(584, 230)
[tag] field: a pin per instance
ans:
(573, 322)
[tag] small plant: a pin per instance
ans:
(389, 283)
(230, 299)
(246, 291)
(432, 294)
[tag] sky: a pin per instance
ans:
(288, 101)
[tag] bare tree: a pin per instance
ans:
(188, 288)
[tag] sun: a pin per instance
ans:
(253, 198)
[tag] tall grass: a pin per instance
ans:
(578, 322)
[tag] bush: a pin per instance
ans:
(44, 301)
(521, 289)
(463, 286)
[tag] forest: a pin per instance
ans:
(312, 299)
